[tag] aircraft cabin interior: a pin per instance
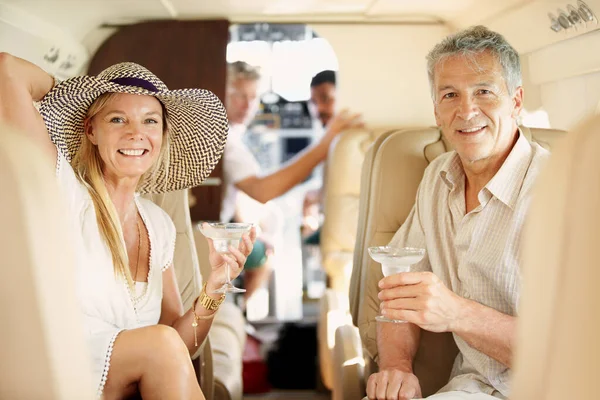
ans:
(336, 185)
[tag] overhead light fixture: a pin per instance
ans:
(554, 24)
(52, 55)
(563, 20)
(575, 16)
(586, 12)
(68, 63)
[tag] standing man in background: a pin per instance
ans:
(322, 95)
(322, 106)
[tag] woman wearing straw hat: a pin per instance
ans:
(116, 135)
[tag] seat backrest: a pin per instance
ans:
(558, 356)
(187, 270)
(391, 174)
(341, 197)
(185, 260)
(43, 353)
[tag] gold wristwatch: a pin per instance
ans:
(208, 302)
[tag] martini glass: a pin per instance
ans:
(395, 260)
(224, 235)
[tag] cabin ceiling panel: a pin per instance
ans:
(458, 12)
(527, 28)
(80, 16)
(245, 8)
(524, 21)
(482, 10)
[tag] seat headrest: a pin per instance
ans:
(436, 149)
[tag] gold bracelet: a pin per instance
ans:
(208, 302)
(199, 317)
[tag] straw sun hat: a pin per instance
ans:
(198, 120)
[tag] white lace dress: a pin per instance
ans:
(107, 305)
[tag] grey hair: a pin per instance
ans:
(471, 42)
(242, 70)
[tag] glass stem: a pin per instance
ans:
(228, 274)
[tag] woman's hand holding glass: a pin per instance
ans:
(231, 263)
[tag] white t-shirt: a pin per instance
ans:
(238, 164)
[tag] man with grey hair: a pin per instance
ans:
(241, 171)
(468, 215)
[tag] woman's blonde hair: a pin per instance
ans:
(88, 165)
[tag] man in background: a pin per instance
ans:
(322, 95)
(322, 106)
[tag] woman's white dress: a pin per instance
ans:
(107, 305)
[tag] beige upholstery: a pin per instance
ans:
(227, 337)
(342, 193)
(348, 372)
(220, 378)
(558, 356)
(349, 364)
(185, 260)
(43, 354)
(338, 234)
(391, 174)
(333, 313)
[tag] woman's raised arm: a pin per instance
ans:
(22, 83)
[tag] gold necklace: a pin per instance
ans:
(137, 264)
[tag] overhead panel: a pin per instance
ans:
(455, 12)
(220, 8)
(81, 16)
(269, 8)
(529, 28)
(437, 9)
(480, 11)
(356, 7)
(41, 42)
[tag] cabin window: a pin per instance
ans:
(288, 55)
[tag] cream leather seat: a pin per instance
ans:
(342, 192)
(218, 357)
(338, 235)
(43, 353)
(391, 174)
(558, 356)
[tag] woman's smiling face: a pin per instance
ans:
(128, 131)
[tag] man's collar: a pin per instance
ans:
(505, 185)
(452, 171)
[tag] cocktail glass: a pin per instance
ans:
(395, 260)
(224, 235)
